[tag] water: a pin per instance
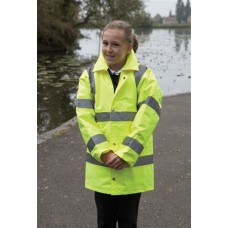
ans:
(166, 51)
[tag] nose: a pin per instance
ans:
(109, 48)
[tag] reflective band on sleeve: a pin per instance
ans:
(92, 160)
(133, 144)
(144, 160)
(150, 101)
(115, 116)
(85, 103)
(93, 141)
(139, 74)
(92, 80)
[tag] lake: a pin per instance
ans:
(166, 51)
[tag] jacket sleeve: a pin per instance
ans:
(93, 137)
(146, 119)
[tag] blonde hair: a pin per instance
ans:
(126, 27)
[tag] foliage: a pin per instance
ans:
(187, 10)
(103, 11)
(183, 11)
(56, 23)
(142, 20)
(179, 10)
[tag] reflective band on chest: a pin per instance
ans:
(115, 116)
(138, 76)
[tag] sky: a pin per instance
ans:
(161, 6)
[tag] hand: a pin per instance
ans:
(116, 162)
(107, 156)
(112, 160)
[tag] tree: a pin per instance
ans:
(183, 11)
(170, 13)
(180, 11)
(103, 11)
(58, 21)
(56, 24)
(187, 10)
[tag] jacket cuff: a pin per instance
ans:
(128, 155)
(99, 150)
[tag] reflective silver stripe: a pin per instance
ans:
(139, 74)
(133, 144)
(92, 160)
(85, 103)
(115, 116)
(91, 79)
(93, 141)
(144, 160)
(150, 101)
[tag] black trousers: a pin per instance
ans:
(121, 208)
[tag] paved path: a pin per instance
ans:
(64, 203)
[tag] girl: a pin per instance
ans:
(118, 108)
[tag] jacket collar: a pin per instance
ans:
(131, 63)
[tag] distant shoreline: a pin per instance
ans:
(154, 26)
(169, 26)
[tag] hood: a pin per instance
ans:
(131, 63)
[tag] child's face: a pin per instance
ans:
(115, 48)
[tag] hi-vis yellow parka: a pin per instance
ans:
(123, 122)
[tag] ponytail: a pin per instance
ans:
(135, 42)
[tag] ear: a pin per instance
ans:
(130, 46)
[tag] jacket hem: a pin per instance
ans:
(92, 188)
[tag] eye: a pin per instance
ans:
(116, 45)
(105, 43)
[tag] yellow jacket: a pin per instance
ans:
(123, 122)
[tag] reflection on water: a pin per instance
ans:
(57, 79)
(143, 34)
(182, 35)
(166, 51)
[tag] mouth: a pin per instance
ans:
(109, 57)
